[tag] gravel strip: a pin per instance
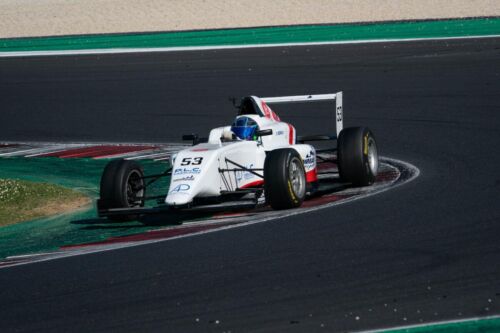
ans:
(24, 18)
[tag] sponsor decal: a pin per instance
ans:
(365, 150)
(180, 188)
(245, 175)
(280, 132)
(266, 109)
(186, 171)
(292, 193)
(268, 113)
(184, 179)
(339, 113)
(200, 149)
(310, 160)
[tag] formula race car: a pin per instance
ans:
(257, 160)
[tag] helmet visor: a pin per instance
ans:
(244, 128)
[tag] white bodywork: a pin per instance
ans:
(196, 171)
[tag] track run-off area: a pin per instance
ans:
(423, 252)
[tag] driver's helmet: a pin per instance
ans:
(245, 128)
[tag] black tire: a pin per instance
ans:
(284, 179)
(121, 182)
(357, 156)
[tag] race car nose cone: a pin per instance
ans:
(177, 200)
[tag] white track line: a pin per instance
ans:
(9, 54)
(162, 158)
(52, 150)
(19, 152)
(444, 322)
(39, 149)
(158, 151)
(140, 157)
(124, 155)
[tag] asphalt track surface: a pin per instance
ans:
(425, 251)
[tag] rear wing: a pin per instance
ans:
(337, 97)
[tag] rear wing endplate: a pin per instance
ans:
(337, 97)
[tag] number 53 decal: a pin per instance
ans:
(192, 161)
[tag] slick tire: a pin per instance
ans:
(122, 186)
(357, 156)
(284, 179)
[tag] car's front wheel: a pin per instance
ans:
(284, 179)
(122, 186)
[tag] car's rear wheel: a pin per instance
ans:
(122, 186)
(357, 156)
(284, 179)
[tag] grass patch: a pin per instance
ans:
(50, 233)
(23, 200)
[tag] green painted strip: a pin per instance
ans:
(487, 325)
(270, 35)
(81, 227)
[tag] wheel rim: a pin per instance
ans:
(372, 156)
(135, 189)
(297, 177)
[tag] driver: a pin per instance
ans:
(245, 128)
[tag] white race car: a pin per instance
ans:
(257, 160)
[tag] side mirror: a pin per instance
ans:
(265, 132)
(191, 137)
